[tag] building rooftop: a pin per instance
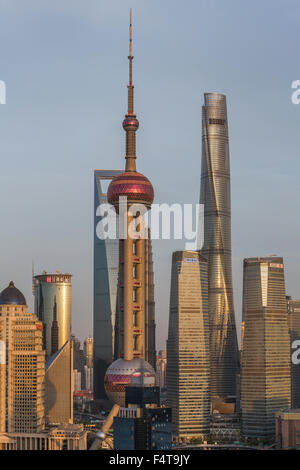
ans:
(12, 296)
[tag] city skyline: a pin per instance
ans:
(69, 160)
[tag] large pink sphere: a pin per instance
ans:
(135, 186)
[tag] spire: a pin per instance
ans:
(130, 57)
(130, 123)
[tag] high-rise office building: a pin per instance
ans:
(106, 269)
(52, 305)
(188, 352)
(265, 355)
(131, 367)
(215, 195)
(294, 330)
(59, 386)
(22, 367)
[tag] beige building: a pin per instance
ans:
(188, 351)
(22, 367)
(161, 368)
(265, 355)
(59, 386)
(66, 437)
(88, 352)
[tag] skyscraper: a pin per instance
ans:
(215, 195)
(265, 355)
(22, 366)
(188, 352)
(131, 367)
(52, 304)
(106, 268)
(294, 330)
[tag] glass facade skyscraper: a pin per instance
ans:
(215, 195)
(265, 354)
(188, 352)
(106, 268)
(52, 305)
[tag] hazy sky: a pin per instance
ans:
(65, 64)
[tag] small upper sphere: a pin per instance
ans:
(135, 186)
(130, 124)
(12, 296)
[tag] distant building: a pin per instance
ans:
(89, 351)
(188, 351)
(52, 304)
(161, 368)
(22, 366)
(294, 330)
(79, 360)
(288, 429)
(265, 355)
(88, 374)
(76, 380)
(59, 386)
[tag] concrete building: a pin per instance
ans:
(265, 355)
(22, 368)
(88, 378)
(52, 305)
(215, 195)
(76, 380)
(59, 386)
(188, 351)
(66, 437)
(293, 307)
(288, 429)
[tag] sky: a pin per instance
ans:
(65, 66)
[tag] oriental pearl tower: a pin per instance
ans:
(131, 367)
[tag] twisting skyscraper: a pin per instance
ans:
(215, 195)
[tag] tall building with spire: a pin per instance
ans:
(125, 192)
(215, 195)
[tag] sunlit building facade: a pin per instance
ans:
(265, 355)
(52, 305)
(59, 386)
(188, 352)
(22, 366)
(215, 195)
